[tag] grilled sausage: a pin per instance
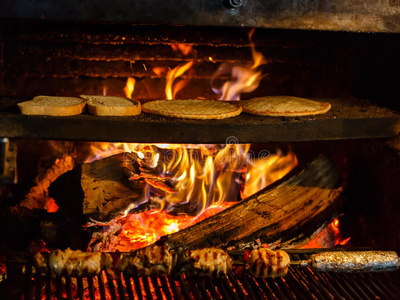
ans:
(211, 261)
(76, 263)
(354, 261)
(40, 262)
(152, 260)
(268, 263)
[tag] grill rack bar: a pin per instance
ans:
(299, 283)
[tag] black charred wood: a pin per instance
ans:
(68, 194)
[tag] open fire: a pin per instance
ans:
(245, 79)
(185, 184)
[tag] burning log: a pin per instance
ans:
(107, 188)
(102, 187)
(286, 213)
(169, 175)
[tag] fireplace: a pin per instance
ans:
(350, 63)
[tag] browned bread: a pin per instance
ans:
(284, 106)
(192, 109)
(52, 106)
(112, 105)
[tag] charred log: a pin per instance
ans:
(282, 213)
(107, 187)
(101, 189)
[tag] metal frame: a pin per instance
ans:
(342, 15)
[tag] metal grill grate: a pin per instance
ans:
(300, 283)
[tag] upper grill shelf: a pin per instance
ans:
(348, 119)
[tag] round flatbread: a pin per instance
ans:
(284, 106)
(192, 109)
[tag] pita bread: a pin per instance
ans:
(284, 106)
(192, 109)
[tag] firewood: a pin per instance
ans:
(282, 213)
(101, 189)
(107, 187)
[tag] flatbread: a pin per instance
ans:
(192, 109)
(284, 106)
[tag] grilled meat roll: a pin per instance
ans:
(268, 263)
(152, 260)
(211, 261)
(76, 263)
(354, 261)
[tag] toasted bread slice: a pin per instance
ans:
(53, 106)
(192, 109)
(284, 106)
(112, 105)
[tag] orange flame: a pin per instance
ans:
(339, 240)
(186, 183)
(267, 170)
(258, 58)
(101, 150)
(185, 49)
(170, 90)
(201, 175)
(244, 79)
(130, 87)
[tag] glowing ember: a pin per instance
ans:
(142, 229)
(328, 238)
(187, 183)
(245, 79)
(130, 87)
(51, 206)
(185, 49)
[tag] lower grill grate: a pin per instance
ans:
(300, 283)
